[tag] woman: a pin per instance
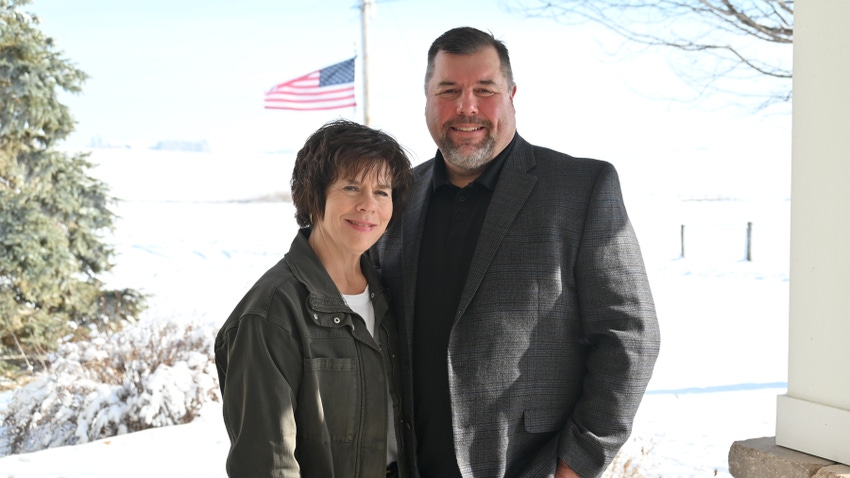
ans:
(303, 361)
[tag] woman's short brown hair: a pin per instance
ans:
(343, 148)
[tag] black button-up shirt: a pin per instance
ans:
(452, 226)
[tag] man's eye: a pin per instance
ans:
(485, 92)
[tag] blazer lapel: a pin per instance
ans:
(512, 190)
(413, 223)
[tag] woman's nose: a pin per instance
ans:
(367, 202)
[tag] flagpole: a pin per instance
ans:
(366, 8)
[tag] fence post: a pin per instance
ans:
(749, 241)
(682, 242)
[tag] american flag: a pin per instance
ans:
(326, 89)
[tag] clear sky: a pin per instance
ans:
(196, 70)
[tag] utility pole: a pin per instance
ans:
(367, 7)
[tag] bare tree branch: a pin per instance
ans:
(743, 39)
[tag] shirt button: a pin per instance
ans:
(462, 198)
(336, 320)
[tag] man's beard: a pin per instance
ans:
(454, 154)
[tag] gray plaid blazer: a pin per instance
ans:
(555, 336)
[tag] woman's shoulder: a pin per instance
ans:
(278, 284)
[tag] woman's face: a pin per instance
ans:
(357, 211)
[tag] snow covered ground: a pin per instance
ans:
(190, 234)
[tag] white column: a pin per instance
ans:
(814, 416)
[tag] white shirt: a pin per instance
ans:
(362, 304)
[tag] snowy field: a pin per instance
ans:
(192, 234)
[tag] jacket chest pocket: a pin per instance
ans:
(335, 399)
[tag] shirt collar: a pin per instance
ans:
(488, 178)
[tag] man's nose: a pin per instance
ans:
(467, 104)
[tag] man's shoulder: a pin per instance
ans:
(553, 158)
(543, 158)
(423, 168)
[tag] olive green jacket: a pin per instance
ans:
(303, 383)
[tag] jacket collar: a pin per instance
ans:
(308, 269)
(323, 295)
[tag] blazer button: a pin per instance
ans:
(336, 320)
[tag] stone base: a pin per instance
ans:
(763, 458)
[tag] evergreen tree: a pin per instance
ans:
(53, 216)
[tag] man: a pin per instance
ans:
(528, 330)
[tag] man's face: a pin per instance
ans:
(469, 109)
